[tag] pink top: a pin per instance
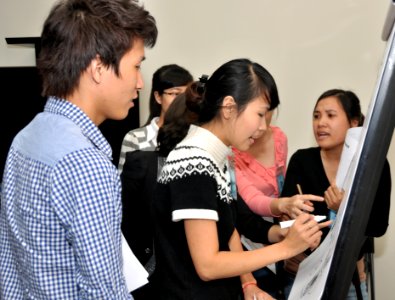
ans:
(258, 184)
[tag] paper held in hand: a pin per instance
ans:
(135, 274)
(350, 147)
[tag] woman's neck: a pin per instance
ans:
(330, 160)
(160, 120)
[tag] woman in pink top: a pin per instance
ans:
(260, 173)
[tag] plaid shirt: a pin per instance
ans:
(61, 211)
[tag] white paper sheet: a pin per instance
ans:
(135, 274)
(313, 271)
(348, 154)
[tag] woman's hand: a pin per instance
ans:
(253, 292)
(276, 233)
(296, 205)
(305, 233)
(333, 197)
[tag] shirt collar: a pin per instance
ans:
(153, 129)
(74, 113)
(209, 142)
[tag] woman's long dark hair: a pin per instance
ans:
(242, 79)
(175, 125)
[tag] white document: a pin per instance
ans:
(313, 271)
(135, 274)
(348, 155)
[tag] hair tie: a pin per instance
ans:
(201, 86)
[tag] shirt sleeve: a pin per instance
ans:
(87, 197)
(256, 200)
(250, 224)
(129, 143)
(190, 201)
(281, 142)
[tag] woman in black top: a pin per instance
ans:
(314, 169)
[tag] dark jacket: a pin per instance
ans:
(138, 179)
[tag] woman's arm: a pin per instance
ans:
(256, 200)
(210, 263)
(251, 225)
(249, 285)
(264, 205)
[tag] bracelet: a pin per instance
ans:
(244, 285)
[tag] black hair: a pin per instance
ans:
(77, 31)
(164, 78)
(175, 125)
(349, 102)
(242, 79)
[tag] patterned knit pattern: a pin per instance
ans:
(188, 159)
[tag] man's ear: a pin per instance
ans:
(96, 69)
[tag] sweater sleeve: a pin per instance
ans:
(281, 142)
(257, 201)
(251, 225)
(129, 143)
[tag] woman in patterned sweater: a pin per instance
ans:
(198, 250)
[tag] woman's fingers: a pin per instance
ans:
(324, 224)
(303, 203)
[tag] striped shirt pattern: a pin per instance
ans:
(143, 138)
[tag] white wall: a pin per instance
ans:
(308, 45)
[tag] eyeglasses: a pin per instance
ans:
(172, 94)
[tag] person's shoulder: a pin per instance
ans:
(187, 152)
(309, 150)
(87, 165)
(136, 132)
(306, 152)
(193, 157)
(139, 155)
(279, 134)
(277, 130)
(141, 135)
(90, 157)
(140, 161)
